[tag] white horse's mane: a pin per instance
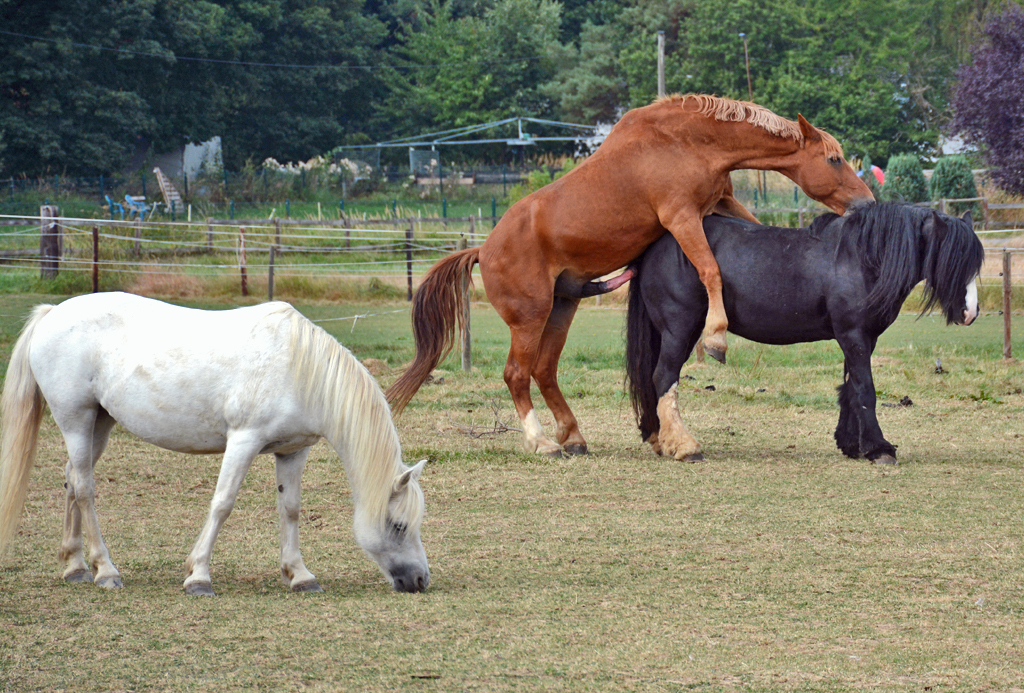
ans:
(355, 417)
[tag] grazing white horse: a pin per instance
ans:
(241, 382)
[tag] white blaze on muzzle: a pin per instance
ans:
(971, 302)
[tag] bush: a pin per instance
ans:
(952, 180)
(904, 180)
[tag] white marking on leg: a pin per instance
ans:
(534, 439)
(971, 301)
(674, 439)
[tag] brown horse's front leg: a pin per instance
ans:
(689, 233)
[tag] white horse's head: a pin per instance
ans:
(395, 544)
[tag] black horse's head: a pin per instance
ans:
(903, 244)
(953, 258)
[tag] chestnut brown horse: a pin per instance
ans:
(663, 166)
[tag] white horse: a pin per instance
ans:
(241, 382)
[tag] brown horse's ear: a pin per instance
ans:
(809, 132)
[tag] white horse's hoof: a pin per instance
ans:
(308, 586)
(110, 583)
(199, 589)
(80, 575)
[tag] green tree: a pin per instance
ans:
(589, 89)
(469, 70)
(904, 180)
(953, 179)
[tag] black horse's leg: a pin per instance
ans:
(858, 433)
(673, 439)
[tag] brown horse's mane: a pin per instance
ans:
(760, 117)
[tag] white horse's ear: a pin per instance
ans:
(410, 474)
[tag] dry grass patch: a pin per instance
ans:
(777, 565)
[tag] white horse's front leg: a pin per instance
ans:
(241, 451)
(289, 480)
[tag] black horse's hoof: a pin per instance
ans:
(885, 459)
(715, 353)
(576, 449)
(199, 589)
(80, 575)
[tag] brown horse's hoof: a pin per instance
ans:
(576, 449)
(715, 352)
(80, 575)
(695, 457)
(885, 459)
(308, 586)
(199, 589)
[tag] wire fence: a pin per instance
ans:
(258, 253)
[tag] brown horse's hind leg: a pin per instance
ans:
(526, 317)
(690, 235)
(552, 342)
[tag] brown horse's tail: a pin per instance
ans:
(436, 316)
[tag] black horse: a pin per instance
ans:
(843, 278)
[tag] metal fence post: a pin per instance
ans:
(408, 257)
(95, 259)
(467, 354)
(1007, 287)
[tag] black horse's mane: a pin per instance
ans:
(902, 244)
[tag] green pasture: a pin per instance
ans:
(775, 565)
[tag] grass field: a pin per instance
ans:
(776, 565)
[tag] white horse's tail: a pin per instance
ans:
(22, 411)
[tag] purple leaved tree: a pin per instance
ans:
(989, 99)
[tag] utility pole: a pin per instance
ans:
(750, 93)
(746, 60)
(661, 64)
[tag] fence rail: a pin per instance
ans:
(393, 249)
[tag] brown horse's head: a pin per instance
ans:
(819, 168)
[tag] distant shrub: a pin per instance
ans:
(904, 180)
(952, 180)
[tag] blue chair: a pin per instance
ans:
(136, 205)
(115, 207)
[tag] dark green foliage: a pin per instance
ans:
(904, 180)
(952, 180)
(989, 98)
(86, 83)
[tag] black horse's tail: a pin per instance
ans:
(643, 347)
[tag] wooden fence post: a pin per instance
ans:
(95, 259)
(467, 353)
(241, 260)
(50, 242)
(472, 229)
(138, 236)
(1007, 348)
(408, 256)
(209, 234)
(270, 275)
(277, 230)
